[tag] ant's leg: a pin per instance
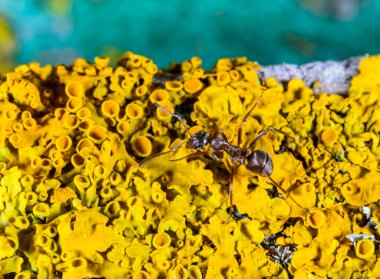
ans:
(263, 132)
(286, 192)
(162, 153)
(246, 117)
(190, 155)
(217, 155)
(230, 189)
(176, 115)
(232, 174)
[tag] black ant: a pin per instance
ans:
(256, 161)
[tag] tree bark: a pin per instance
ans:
(334, 77)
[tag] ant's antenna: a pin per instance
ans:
(264, 132)
(177, 116)
(246, 117)
(173, 149)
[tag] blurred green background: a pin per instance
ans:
(270, 32)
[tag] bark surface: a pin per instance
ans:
(332, 77)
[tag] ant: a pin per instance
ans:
(256, 161)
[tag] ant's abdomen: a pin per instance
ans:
(260, 162)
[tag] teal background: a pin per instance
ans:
(270, 32)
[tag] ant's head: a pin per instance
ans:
(260, 162)
(198, 140)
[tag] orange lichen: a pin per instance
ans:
(193, 85)
(159, 96)
(74, 89)
(142, 146)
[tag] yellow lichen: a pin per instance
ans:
(217, 105)
(365, 249)
(73, 200)
(362, 191)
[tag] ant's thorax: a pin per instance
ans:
(236, 153)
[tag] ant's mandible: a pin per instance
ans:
(256, 161)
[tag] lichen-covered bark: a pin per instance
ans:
(332, 77)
